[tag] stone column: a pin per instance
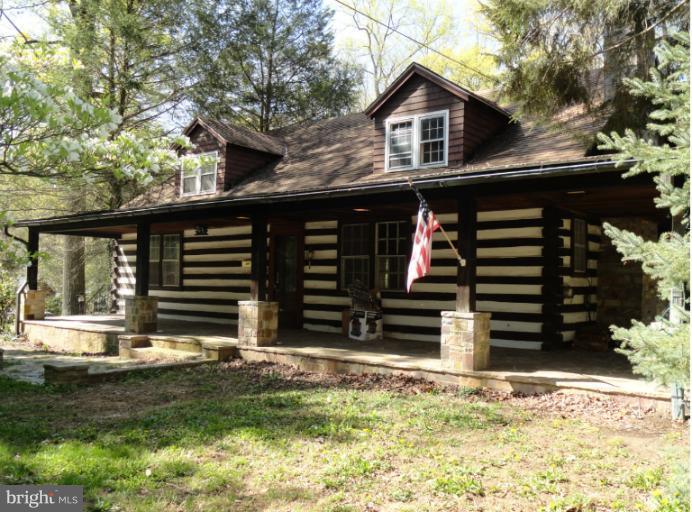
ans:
(465, 340)
(141, 314)
(34, 307)
(258, 322)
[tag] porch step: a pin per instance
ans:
(176, 343)
(163, 354)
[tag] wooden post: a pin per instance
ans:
(142, 265)
(552, 282)
(258, 285)
(32, 268)
(466, 240)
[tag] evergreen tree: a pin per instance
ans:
(557, 51)
(660, 350)
(267, 63)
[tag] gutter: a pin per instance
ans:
(481, 177)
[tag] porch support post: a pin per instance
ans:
(466, 236)
(34, 307)
(258, 285)
(465, 336)
(142, 265)
(258, 319)
(32, 268)
(141, 311)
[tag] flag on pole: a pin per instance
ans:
(419, 265)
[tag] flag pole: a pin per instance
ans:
(462, 262)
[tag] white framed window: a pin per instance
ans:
(170, 261)
(200, 178)
(417, 141)
(391, 250)
(355, 254)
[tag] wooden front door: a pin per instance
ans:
(287, 275)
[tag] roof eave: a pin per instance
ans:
(460, 179)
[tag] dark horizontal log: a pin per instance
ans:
(514, 298)
(217, 238)
(219, 250)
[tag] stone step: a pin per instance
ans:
(176, 343)
(163, 354)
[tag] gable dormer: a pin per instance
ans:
(229, 154)
(423, 121)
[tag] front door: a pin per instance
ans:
(286, 273)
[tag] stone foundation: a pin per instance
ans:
(258, 323)
(465, 341)
(34, 307)
(141, 314)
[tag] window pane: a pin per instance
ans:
(208, 183)
(400, 144)
(154, 248)
(355, 268)
(355, 239)
(190, 185)
(171, 247)
(391, 272)
(432, 152)
(171, 273)
(432, 128)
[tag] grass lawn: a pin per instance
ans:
(262, 437)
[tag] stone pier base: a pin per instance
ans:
(465, 340)
(258, 323)
(34, 307)
(141, 314)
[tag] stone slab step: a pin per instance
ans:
(176, 343)
(163, 354)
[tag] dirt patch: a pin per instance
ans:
(613, 412)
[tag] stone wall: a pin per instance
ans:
(258, 322)
(624, 291)
(465, 340)
(78, 341)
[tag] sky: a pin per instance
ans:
(463, 13)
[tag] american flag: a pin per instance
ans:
(419, 265)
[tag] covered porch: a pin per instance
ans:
(518, 290)
(510, 370)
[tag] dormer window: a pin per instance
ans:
(417, 141)
(198, 174)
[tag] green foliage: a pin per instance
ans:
(267, 64)
(8, 288)
(551, 49)
(660, 350)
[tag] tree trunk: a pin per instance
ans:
(73, 283)
(73, 278)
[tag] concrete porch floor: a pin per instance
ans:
(510, 370)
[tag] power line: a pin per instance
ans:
(420, 43)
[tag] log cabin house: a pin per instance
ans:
(294, 216)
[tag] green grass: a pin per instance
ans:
(247, 438)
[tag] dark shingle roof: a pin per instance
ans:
(338, 153)
(240, 136)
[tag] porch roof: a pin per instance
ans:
(253, 202)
